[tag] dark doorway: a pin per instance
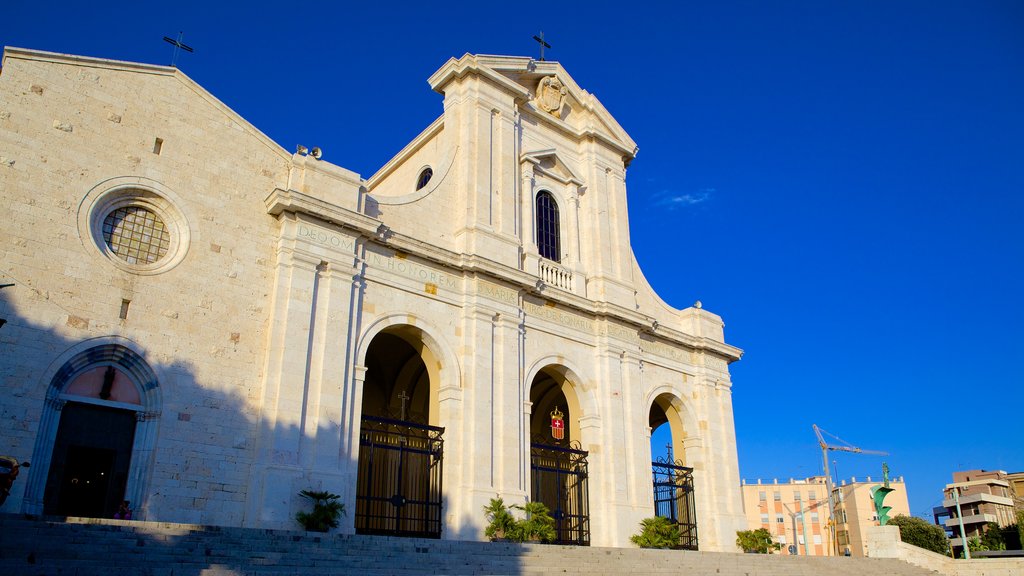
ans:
(398, 491)
(89, 468)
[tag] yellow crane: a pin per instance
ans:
(825, 447)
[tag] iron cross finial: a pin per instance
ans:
(178, 45)
(543, 44)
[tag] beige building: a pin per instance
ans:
(855, 511)
(204, 323)
(984, 496)
(795, 512)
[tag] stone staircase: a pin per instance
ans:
(87, 547)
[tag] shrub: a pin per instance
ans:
(756, 541)
(537, 526)
(921, 533)
(657, 532)
(325, 514)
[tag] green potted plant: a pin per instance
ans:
(538, 526)
(657, 532)
(500, 522)
(326, 511)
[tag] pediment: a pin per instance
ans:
(547, 92)
(548, 163)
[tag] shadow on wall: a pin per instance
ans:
(195, 466)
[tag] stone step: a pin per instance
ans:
(87, 547)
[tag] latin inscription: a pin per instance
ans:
(401, 265)
(325, 238)
(499, 293)
(558, 316)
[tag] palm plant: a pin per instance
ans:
(326, 511)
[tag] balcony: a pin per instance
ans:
(971, 520)
(554, 274)
(978, 498)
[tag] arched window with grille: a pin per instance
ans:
(548, 236)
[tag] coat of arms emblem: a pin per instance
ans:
(551, 94)
(557, 424)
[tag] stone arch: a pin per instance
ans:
(440, 361)
(681, 418)
(582, 403)
(139, 395)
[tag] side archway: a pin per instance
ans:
(673, 469)
(96, 438)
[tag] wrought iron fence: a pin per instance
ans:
(673, 499)
(560, 476)
(398, 492)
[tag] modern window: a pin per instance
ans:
(796, 495)
(778, 496)
(764, 519)
(762, 496)
(780, 519)
(548, 235)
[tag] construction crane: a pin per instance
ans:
(825, 447)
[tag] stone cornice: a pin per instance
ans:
(280, 201)
(468, 64)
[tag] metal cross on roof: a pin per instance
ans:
(178, 45)
(543, 44)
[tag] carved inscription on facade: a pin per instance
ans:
(401, 265)
(665, 350)
(325, 238)
(499, 293)
(715, 363)
(551, 314)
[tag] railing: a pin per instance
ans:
(398, 492)
(560, 477)
(673, 499)
(555, 275)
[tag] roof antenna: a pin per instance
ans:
(178, 44)
(543, 44)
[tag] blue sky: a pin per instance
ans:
(842, 181)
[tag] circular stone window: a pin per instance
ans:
(136, 228)
(136, 235)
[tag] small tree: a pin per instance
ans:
(657, 532)
(757, 541)
(921, 533)
(992, 539)
(325, 514)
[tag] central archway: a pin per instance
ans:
(399, 490)
(558, 467)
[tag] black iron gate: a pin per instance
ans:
(673, 499)
(399, 488)
(559, 478)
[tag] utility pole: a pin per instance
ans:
(960, 519)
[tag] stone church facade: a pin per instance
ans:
(205, 324)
